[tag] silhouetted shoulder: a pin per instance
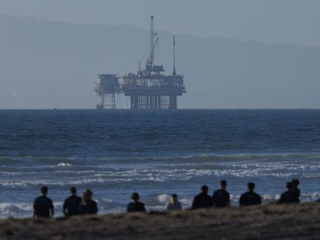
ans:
(72, 205)
(72, 200)
(171, 207)
(90, 208)
(221, 198)
(249, 199)
(202, 200)
(94, 207)
(43, 201)
(288, 197)
(137, 207)
(296, 191)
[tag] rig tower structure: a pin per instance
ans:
(107, 86)
(149, 88)
(174, 73)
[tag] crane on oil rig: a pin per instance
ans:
(150, 60)
(150, 67)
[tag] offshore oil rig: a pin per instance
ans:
(149, 88)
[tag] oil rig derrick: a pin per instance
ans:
(149, 88)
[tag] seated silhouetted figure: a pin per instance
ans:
(295, 189)
(289, 196)
(202, 200)
(221, 198)
(43, 206)
(174, 204)
(72, 204)
(135, 205)
(250, 197)
(88, 206)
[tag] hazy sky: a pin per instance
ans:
(271, 21)
(218, 73)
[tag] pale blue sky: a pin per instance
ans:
(270, 21)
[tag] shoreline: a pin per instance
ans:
(259, 222)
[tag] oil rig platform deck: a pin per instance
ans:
(149, 88)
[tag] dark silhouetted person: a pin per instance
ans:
(88, 206)
(202, 200)
(135, 205)
(72, 205)
(174, 204)
(43, 206)
(295, 189)
(250, 197)
(288, 196)
(221, 198)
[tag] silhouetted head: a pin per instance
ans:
(289, 185)
(223, 184)
(251, 186)
(135, 196)
(204, 189)
(44, 190)
(73, 190)
(295, 182)
(90, 193)
(86, 196)
(173, 198)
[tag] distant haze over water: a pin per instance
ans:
(47, 65)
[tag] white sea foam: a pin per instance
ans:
(270, 197)
(163, 198)
(64, 165)
(15, 209)
(182, 174)
(186, 202)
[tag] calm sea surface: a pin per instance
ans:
(115, 153)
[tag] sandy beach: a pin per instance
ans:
(262, 222)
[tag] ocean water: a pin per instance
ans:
(154, 153)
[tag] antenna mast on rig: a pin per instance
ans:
(174, 73)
